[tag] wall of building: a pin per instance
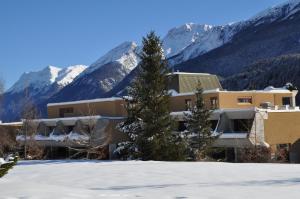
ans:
(178, 103)
(113, 108)
(282, 128)
(230, 99)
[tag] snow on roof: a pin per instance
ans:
(186, 73)
(174, 93)
(276, 90)
(11, 124)
(86, 101)
(266, 90)
(233, 135)
(76, 118)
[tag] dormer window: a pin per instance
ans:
(286, 101)
(63, 112)
(188, 104)
(244, 100)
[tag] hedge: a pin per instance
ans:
(5, 167)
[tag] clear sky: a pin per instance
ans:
(37, 33)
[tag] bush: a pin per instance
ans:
(5, 167)
(256, 155)
(7, 141)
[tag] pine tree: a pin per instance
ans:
(199, 127)
(149, 124)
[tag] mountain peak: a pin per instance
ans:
(38, 80)
(178, 38)
(125, 53)
(68, 74)
(281, 11)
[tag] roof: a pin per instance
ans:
(186, 73)
(217, 90)
(12, 124)
(187, 82)
(86, 101)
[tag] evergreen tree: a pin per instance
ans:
(199, 127)
(149, 123)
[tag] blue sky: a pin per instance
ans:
(36, 33)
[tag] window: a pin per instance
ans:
(188, 104)
(242, 125)
(181, 126)
(286, 101)
(213, 124)
(214, 102)
(245, 100)
(63, 111)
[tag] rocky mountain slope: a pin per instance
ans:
(269, 72)
(224, 50)
(272, 33)
(36, 87)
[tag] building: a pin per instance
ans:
(243, 119)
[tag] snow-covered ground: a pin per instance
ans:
(106, 179)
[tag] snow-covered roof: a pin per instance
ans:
(269, 89)
(85, 101)
(72, 119)
(233, 135)
(12, 124)
(186, 73)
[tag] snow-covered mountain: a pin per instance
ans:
(36, 87)
(220, 49)
(271, 33)
(278, 12)
(39, 80)
(68, 74)
(191, 40)
(226, 50)
(125, 54)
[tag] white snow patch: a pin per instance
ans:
(125, 53)
(37, 79)
(86, 101)
(136, 179)
(284, 10)
(74, 136)
(233, 135)
(44, 78)
(67, 75)
(2, 161)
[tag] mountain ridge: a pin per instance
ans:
(224, 50)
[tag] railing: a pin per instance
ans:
(284, 107)
(234, 135)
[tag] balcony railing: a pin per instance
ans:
(284, 107)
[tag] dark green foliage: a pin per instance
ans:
(199, 127)
(5, 167)
(275, 71)
(149, 123)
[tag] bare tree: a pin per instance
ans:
(32, 149)
(7, 140)
(93, 136)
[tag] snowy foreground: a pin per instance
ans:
(106, 179)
